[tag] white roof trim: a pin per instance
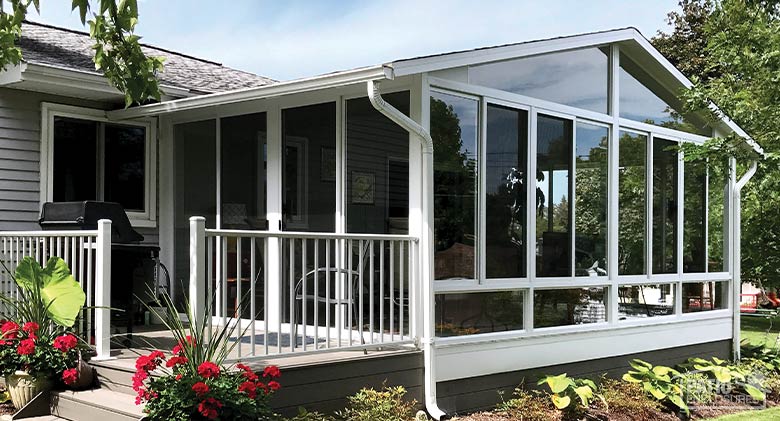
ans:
(247, 94)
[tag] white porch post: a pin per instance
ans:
(198, 270)
(103, 291)
(273, 278)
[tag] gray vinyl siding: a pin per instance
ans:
(20, 145)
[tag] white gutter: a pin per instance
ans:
(330, 80)
(426, 244)
(736, 258)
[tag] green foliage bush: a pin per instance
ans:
(528, 406)
(304, 415)
(387, 404)
(564, 390)
(659, 382)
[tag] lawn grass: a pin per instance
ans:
(754, 329)
(763, 415)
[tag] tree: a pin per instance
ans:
(117, 49)
(739, 71)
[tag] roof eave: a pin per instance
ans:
(331, 80)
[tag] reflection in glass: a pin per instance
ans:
(479, 312)
(590, 193)
(643, 99)
(125, 166)
(309, 168)
(704, 296)
(377, 168)
(553, 192)
(507, 140)
(664, 206)
(641, 301)
(75, 159)
(694, 203)
(243, 194)
(454, 133)
(632, 214)
(717, 184)
(577, 78)
(563, 307)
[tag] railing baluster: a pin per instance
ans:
(223, 259)
(351, 298)
(252, 281)
(280, 308)
(304, 291)
(371, 289)
(390, 301)
(401, 288)
(265, 294)
(293, 334)
(316, 297)
(382, 291)
(210, 277)
(360, 291)
(327, 293)
(238, 313)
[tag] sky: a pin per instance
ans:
(288, 39)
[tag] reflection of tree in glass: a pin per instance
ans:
(454, 179)
(591, 205)
(631, 204)
(694, 247)
(718, 173)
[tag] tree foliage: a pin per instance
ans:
(118, 52)
(731, 51)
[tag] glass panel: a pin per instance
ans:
(590, 200)
(309, 168)
(377, 168)
(564, 307)
(75, 160)
(642, 301)
(479, 312)
(643, 99)
(506, 156)
(704, 296)
(632, 214)
(553, 192)
(125, 166)
(576, 78)
(243, 141)
(195, 147)
(694, 247)
(718, 180)
(454, 132)
(664, 206)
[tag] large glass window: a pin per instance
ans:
(478, 312)
(75, 160)
(309, 168)
(664, 206)
(590, 200)
(574, 306)
(632, 214)
(506, 185)
(704, 296)
(553, 196)
(243, 194)
(716, 189)
(454, 132)
(377, 168)
(642, 301)
(694, 217)
(577, 78)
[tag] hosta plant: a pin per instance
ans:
(564, 390)
(659, 382)
(769, 357)
(723, 371)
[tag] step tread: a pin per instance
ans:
(102, 398)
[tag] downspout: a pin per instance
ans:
(736, 258)
(426, 242)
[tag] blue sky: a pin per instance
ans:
(291, 39)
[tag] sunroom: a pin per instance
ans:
(554, 222)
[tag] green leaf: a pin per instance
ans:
(640, 365)
(628, 377)
(59, 292)
(585, 393)
(561, 402)
(558, 383)
(677, 401)
(754, 392)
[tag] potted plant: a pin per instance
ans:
(37, 347)
(193, 382)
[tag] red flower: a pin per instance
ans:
(272, 371)
(9, 330)
(138, 379)
(179, 348)
(178, 377)
(65, 342)
(273, 385)
(208, 408)
(26, 347)
(249, 388)
(208, 370)
(173, 361)
(200, 388)
(70, 376)
(31, 327)
(149, 362)
(263, 386)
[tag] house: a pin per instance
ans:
(481, 217)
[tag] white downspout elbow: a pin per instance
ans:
(736, 257)
(426, 244)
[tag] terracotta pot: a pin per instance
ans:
(23, 387)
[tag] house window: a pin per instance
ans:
(89, 158)
(573, 306)
(664, 206)
(642, 301)
(479, 312)
(694, 204)
(704, 296)
(632, 214)
(590, 200)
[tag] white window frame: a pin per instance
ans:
(147, 218)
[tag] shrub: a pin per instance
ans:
(766, 356)
(696, 388)
(657, 381)
(724, 371)
(527, 406)
(387, 404)
(304, 415)
(628, 399)
(565, 390)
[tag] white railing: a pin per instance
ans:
(292, 292)
(88, 255)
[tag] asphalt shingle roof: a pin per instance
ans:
(50, 45)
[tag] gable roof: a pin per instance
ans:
(65, 48)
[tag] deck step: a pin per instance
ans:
(116, 379)
(96, 404)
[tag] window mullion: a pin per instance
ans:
(481, 219)
(100, 194)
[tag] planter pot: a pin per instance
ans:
(86, 376)
(23, 387)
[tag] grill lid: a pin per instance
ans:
(85, 216)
